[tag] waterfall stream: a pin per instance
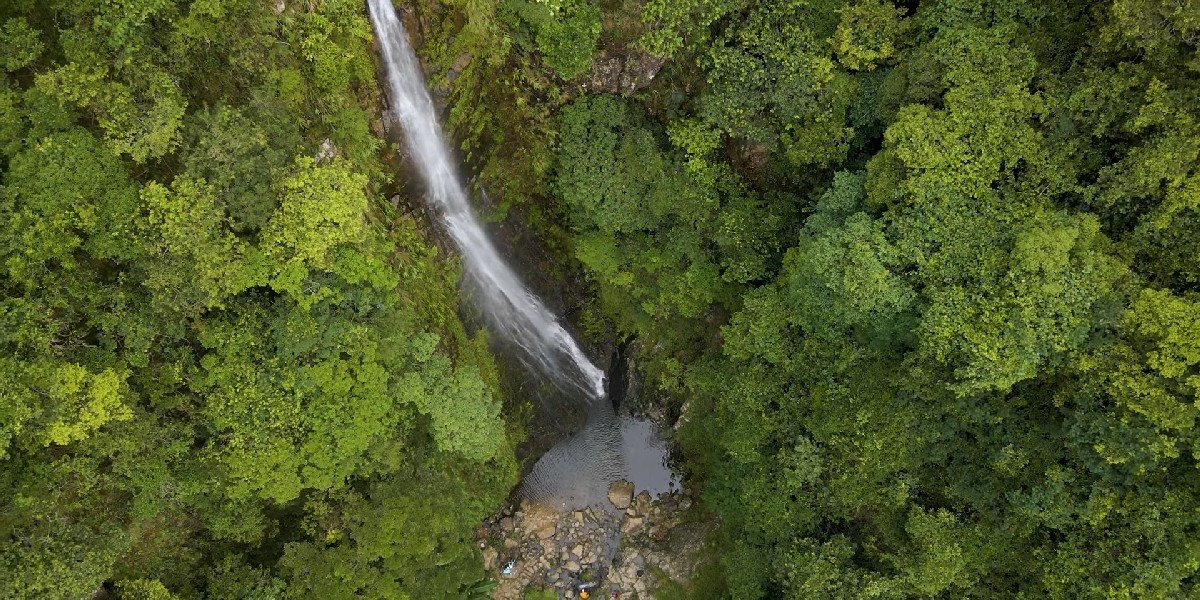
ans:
(510, 308)
(577, 470)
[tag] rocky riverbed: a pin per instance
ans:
(619, 547)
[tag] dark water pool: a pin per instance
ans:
(576, 472)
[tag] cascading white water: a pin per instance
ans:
(510, 307)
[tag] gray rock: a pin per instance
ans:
(632, 524)
(546, 531)
(620, 494)
(642, 502)
(622, 73)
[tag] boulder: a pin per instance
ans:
(620, 494)
(642, 502)
(632, 524)
(623, 72)
(545, 531)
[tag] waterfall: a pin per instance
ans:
(511, 309)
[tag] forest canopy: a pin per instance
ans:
(224, 360)
(920, 278)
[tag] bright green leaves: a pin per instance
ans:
(940, 558)
(321, 210)
(867, 34)
(19, 44)
(1152, 371)
(666, 234)
(257, 420)
(143, 589)
(842, 278)
(1141, 547)
(199, 263)
(124, 24)
(673, 23)
(985, 131)
(397, 540)
(1021, 289)
(1153, 189)
(812, 569)
(1163, 30)
(297, 398)
(48, 402)
(199, 331)
(1041, 307)
(840, 273)
(65, 194)
(567, 38)
(464, 413)
(81, 402)
(142, 121)
(320, 207)
(620, 185)
(57, 560)
(966, 348)
(334, 42)
(773, 81)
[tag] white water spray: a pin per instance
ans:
(512, 309)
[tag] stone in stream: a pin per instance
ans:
(620, 494)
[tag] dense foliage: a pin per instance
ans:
(921, 279)
(227, 370)
(922, 276)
